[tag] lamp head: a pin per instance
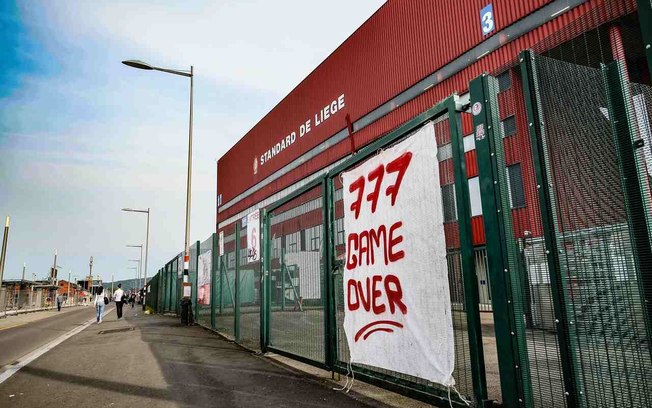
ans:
(138, 64)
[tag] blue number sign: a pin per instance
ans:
(487, 19)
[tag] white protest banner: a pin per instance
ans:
(180, 265)
(397, 300)
(253, 238)
(204, 263)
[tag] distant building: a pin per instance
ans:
(23, 294)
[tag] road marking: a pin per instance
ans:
(28, 358)
(16, 325)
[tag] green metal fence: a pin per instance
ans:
(296, 284)
(565, 276)
(248, 293)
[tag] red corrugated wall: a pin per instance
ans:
(403, 42)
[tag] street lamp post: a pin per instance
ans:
(141, 257)
(3, 252)
(146, 239)
(135, 268)
(188, 74)
(138, 272)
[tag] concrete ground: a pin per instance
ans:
(152, 361)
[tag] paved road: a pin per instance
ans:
(152, 361)
(15, 342)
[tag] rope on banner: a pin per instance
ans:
(352, 377)
(464, 400)
(348, 370)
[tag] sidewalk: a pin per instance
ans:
(153, 361)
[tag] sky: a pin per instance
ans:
(82, 135)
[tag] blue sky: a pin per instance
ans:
(82, 135)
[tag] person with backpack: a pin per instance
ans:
(100, 302)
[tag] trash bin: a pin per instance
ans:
(186, 312)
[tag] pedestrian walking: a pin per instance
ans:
(132, 299)
(100, 302)
(59, 301)
(118, 298)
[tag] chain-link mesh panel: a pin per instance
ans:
(297, 277)
(602, 281)
(482, 272)
(175, 286)
(151, 298)
(530, 284)
(642, 109)
(204, 269)
(225, 293)
(167, 288)
(249, 294)
(462, 371)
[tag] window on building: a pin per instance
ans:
(504, 81)
(474, 196)
(445, 152)
(230, 260)
(339, 227)
(292, 242)
(508, 126)
(315, 238)
(469, 142)
(448, 201)
(515, 186)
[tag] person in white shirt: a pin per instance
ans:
(99, 304)
(117, 297)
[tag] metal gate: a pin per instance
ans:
(304, 244)
(577, 266)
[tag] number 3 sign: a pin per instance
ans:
(487, 19)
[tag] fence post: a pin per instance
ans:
(502, 255)
(214, 260)
(263, 259)
(158, 292)
(266, 281)
(635, 187)
(548, 211)
(283, 279)
(329, 284)
(166, 307)
(236, 284)
(195, 287)
(471, 295)
(162, 285)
